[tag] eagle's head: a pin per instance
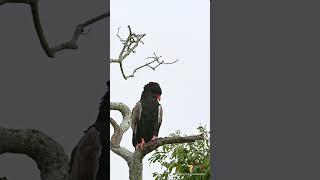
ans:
(154, 89)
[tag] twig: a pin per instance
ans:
(149, 64)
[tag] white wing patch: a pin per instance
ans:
(135, 116)
(160, 113)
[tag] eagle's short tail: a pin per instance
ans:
(134, 140)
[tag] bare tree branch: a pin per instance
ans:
(117, 135)
(49, 155)
(156, 60)
(119, 130)
(126, 114)
(71, 44)
(129, 46)
(148, 64)
(151, 146)
(123, 152)
(115, 142)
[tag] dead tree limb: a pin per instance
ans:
(49, 155)
(129, 46)
(71, 44)
(120, 129)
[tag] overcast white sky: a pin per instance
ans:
(175, 29)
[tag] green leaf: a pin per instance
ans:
(175, 158)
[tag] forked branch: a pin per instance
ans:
(129, 46)
(119, 130)
(71, 44)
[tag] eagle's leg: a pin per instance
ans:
(140, 144)
(154, 138)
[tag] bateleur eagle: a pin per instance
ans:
(146, 116)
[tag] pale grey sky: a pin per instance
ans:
(175, 29)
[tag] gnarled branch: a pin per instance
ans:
(71, 44)
(126, 114)
(129, 46)
(119, 130)
(49, 155)
(151, 146)
(117, 135)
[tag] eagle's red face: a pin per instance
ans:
(158, 96)
(152, 89)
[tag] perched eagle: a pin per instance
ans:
(90, 158)
(147, 116)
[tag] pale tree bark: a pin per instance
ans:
(135, 159)
(51, 159)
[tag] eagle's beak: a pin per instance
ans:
(158, 96)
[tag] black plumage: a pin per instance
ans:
(90, 158)
(102, 126)
(147, 115)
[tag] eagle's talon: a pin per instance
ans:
(140, 144)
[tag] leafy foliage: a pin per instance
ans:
(189, 161)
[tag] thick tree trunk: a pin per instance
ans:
(136, 166)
